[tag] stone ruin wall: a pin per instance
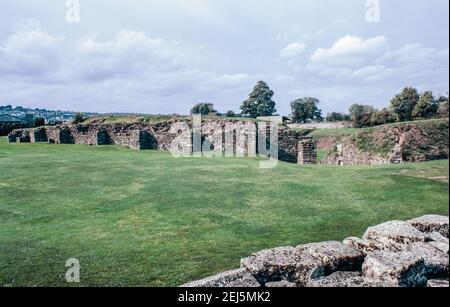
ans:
(414, 253)
(231, 138)
(404, 143)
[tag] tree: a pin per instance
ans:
(361, 115)
(305, 109)
(403, 104)
(230, 114)
(259, 102)
(39, 121)
(426, 107)
(442, 106)
(337, 117)
(79, 118)
(385, 116)
(203, 109)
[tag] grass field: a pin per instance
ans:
(147, 219)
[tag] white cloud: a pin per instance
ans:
(293, 50)
(409, 54)
(349, 46)
(31, 53)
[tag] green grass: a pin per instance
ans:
(335, 133)
(147, 219)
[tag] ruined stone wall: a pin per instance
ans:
(19, 136)
(38, 135)
(307, 152)
(391, 144)
(220, 138)
(346, 153)
(414, 253)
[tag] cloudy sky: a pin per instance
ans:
(162, 56)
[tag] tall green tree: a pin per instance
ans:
(426, 107)
(203, 109)
(305, 109)
(403, 104)
(259, 102)
(443, 106)
(361, 115)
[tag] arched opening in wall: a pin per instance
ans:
(147, 141)
(65, 136)
(103, 138)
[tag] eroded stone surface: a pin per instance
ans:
(236, 278)
(431, 223)
(334, 256)
(437, 237)
(347, 280)
(302, 263)
(365, 246)
(283, 263)
(438, 283)
(443, 247)
(435, 261)
(394, 235)
(281, 284)
(404, 269)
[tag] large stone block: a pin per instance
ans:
(283, 263)
(394, 235)
(432, 223)
(236, 278)
(334, 256)
(347, 280)
(303, 263)
(435, 261)
(403, 269)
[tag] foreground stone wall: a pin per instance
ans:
(414, 253)
(225, 137)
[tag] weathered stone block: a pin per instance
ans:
(435, 261)
(334, 256)
(432, 223)
(303, 263)
(443, 247)
(365, 246)
(438, 283)
(394, 235)
(283, 263)
(404, 269)
(281, 284)
(347, 280)
(437, 237)
(236, 278)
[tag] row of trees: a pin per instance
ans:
(407, 105)
(260, 103)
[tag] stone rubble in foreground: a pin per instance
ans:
(414, 253)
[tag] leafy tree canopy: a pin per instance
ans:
(203, 109)
(403, 104)
(259, 102)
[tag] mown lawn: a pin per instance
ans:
(147, 219)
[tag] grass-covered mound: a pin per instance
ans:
(147, 219)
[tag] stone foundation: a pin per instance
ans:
(227, 138)
(414, 253)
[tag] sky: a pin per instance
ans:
(163, 56)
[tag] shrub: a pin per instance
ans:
(203, 109)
